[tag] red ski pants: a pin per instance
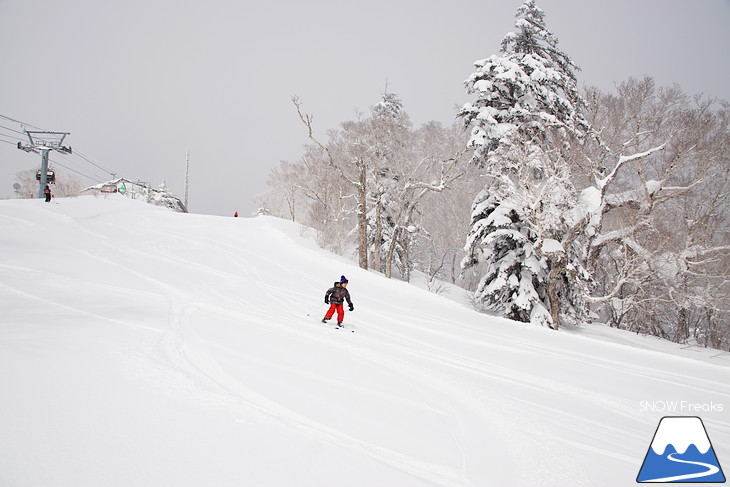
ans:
(340, 312)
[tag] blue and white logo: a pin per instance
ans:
(681, 452)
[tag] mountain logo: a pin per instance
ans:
(681, 452)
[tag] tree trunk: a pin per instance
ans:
(557, 268)
(391, 253)
(362, 221)
(682, 332)
(406, 258)
(714, 327)
(377, 260)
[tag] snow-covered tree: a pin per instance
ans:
(410, 164)
(162, 196)
(284, 202)
(526, 114)
(443, 216)
(65, 185)
(523, 232)
(28, 183)
(347, 155)
(391, 135)
(526, 90)
(659, 242)
(391, 169)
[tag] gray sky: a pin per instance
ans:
(137, 82)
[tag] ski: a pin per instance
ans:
(336, 326)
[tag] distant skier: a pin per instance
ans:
(47, 193)
(235, 214)
(335, 297)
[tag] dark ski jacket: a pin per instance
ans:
(337, 295)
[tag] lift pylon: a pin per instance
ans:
(44, 142)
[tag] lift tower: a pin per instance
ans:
(43, 143)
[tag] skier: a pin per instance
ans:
(47, 192)
(335, 296)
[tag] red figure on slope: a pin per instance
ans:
(335, 297)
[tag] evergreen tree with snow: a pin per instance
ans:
(529, 88)
(526, 114)
(513, 272)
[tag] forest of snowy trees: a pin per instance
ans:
(548, 203)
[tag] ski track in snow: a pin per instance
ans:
(177, 346)
(182, 348)
(74, 309)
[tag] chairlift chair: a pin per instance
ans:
(50, 176)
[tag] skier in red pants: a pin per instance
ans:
(335, 297)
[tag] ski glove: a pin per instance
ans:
(352, 307)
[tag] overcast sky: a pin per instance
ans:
(139, 82)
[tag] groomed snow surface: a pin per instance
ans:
(142, 347)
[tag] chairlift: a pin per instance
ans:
(50, 176)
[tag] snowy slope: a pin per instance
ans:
(141, 347)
